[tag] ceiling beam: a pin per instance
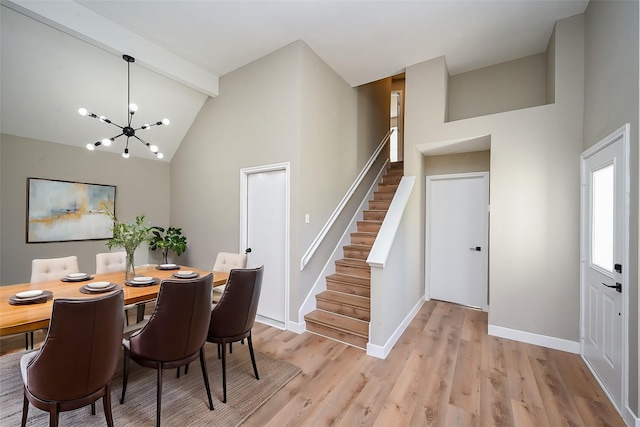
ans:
(78, 21)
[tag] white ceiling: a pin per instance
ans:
(182, 47)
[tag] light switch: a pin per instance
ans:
(306, 218)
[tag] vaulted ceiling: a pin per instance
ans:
(58, 56)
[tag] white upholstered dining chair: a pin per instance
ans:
(53, 268)
(111, 262)
(225, 262)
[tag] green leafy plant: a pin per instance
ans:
(129, 236)
(171, 240)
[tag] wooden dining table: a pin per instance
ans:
(15, 319)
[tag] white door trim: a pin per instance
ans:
(244, 174)
(621, 133)
(485, 176)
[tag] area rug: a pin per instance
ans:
(184, 399)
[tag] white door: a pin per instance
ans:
(603, 206)
(457, 238)
(265, 231)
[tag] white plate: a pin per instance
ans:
(142, 279)
(29, 294)
(76, 275)
(184, 273)
(167, 265)
(98, 285)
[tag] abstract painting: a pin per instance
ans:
(62, 211)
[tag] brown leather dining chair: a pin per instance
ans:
(233, 316)
(111, 262)
(75, 365)
(175, 334)
(50, 269)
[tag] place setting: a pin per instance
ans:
(34, 296)
(142, 281)
(168, 267)
(185, 274)
(76, 277)
(98, 287)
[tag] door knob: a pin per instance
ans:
(617, 286)
(477, 248)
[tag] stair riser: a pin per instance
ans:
(391, 179)
(368, 227)
(374, 215)
(383, 195)
(346, 288)
(387, 188)
(362, 239)
(356, 313)
(326, 331)
(356, 254)
(394, 171)
(354, 271)
(379, 204)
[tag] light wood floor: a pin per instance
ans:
(444, 371)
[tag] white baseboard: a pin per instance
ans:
(270, 322)
(381, 352)
(296, 327)
(629, 418)
(536, 339)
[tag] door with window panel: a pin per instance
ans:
(602, 271)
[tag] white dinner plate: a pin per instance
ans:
(76, 275)
(167, 265)
(142, 279)
(98, 285)
(29, 294)
(184, 273)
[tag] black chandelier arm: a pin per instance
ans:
(147, 125)
(105, 142)
(104, 119)
(142, 140)
(113, 138)
(151, 147)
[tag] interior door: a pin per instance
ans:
(602, 287)
(457, 238)
(265, 232)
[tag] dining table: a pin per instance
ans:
(15, 319)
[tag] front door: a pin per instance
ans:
(457, 238)
(603, 206)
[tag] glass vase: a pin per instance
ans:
(130, 269)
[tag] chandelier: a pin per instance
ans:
(127, 130)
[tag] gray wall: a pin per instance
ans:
(475, 161)
(511, 85)
(611, 100)
(534, 263)
(142, 186)
(286, 107)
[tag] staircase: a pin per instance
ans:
(343, 310)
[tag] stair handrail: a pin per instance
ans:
(336, 213)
